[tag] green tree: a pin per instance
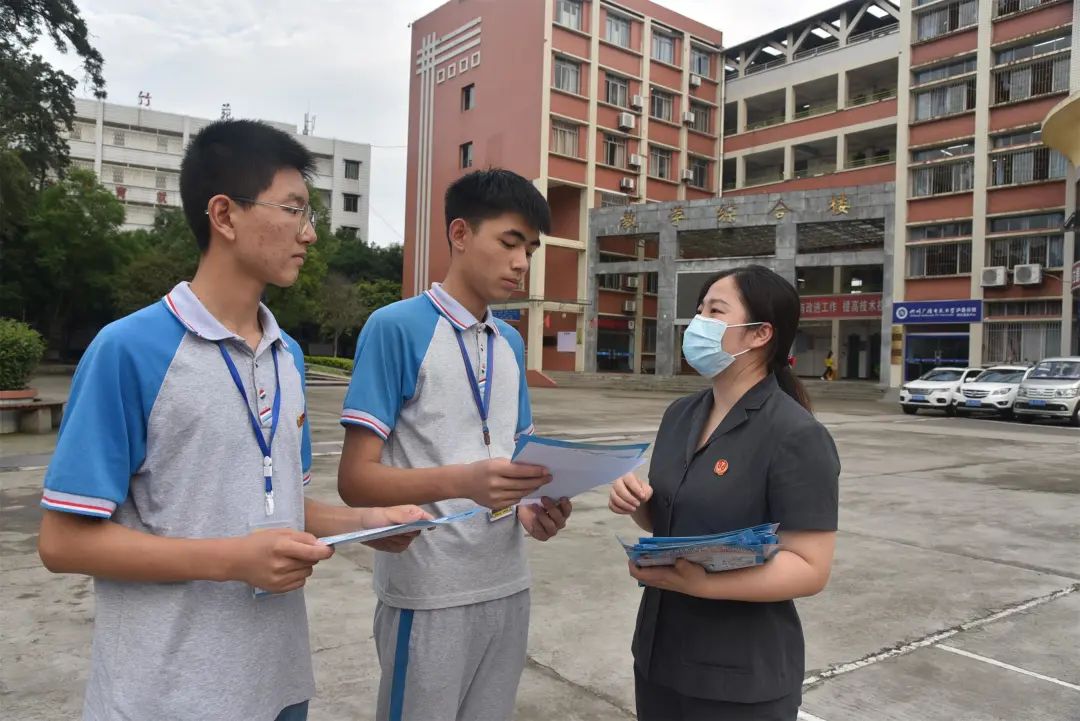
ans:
(36, 100)
(169, 256)
(357, 259)
(71, 252)
(374, 294)
(341, 308)
(16, 200)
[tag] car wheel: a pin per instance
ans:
(910, 410)
(1025, 419)
(1074, 421)
(950, 410)
(1008, 414)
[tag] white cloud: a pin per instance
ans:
(345, 60)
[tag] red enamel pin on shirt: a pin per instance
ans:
(721, 467)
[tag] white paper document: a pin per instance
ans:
(374, 534)
(576, 467)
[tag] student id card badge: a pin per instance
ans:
(502, 513)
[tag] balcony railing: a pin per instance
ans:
(758, 124)
(820, 49)
(766, 66)
(819, 109)
(876, 96)
(858, 160)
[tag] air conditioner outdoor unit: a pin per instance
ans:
(626, 121)
(626, 184)
(695, 81)
(636, 101)
(689, 117)
(994, 277)
(632, 281)
(630, 306)
(1027, 274)
(687, 175)
(636, 161)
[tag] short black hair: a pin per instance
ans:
(486, 194)
(237, 158)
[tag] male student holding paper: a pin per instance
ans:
(437, 398)
(178, 473)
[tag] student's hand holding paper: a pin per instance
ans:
(277, 560)
(379, 517)
(499, 483)
(543, 521)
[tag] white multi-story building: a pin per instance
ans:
(136, 152)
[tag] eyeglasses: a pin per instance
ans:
(307, 213)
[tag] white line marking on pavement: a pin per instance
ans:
(934, 638)
(806, 716)
(1007, 666)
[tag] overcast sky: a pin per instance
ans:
(276, 59)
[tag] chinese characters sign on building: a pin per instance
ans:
(938, 311)
(628, 221)
(839, 205)
(862, 305)
(677, 215)
(725, 214)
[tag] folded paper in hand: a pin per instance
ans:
(576, 467)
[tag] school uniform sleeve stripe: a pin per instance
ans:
(82, 505)
(365, 420)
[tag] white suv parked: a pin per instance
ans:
(993, 391)
(935, 390)
(1051, 390)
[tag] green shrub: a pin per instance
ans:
(21, 348)
(344, 364)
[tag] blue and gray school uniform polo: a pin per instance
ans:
(156, 437)
(410, 387)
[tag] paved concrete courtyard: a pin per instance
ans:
(955, 594)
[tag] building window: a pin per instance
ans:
(943, 152)
(652, 283)
(466, 155)
(951, 17)
(118, 175)
(700, 63)
(959, 229)
(943, 178)
(1021, 341)
(1008, 7)
(618, 90)
(568, 13)
(614, 150)
(945, 100)
(568, 75)
(617, 30)
(700, 168)
(1026, 52)
(928, 261)
(1046, 250)
(1021, 223)
(610, 281)
(943, 72)
(76, 131)
(1027, 166)
(613, 200)
(1027, 137)
(1013, 308)
(118, 138)
(468, 97)
(1041, 77)
(162, 143)
(663, 48)
(662, 105)
(160, 181)
(352, 170)
(660, 163)
(702, 118)
(352, 202)
(564, 139)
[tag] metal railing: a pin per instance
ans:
(874, 34)
(757, 125)
(879, 159)
(1008, 7)
(766, 66)
(865, 99)
(826, 48)
(815, 110)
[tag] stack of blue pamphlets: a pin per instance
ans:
(718, 552)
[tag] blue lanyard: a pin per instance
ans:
(482, 405)
(264, 445)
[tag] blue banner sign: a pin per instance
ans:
(507, 314)
(938, 311)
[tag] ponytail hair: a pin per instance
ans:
(769, 298)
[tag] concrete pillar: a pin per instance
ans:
(668, 356)
(834, 346)
(841, 90)
(1071, 255)
(740, 115)
(789, 162)
(786, 241)
(789, 103)
(984, 63)
(841, 151)
(99, 130)
(740, 172)
(889, 270)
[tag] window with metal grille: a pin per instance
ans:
(652, 283)
(1027, 137)
(352, 169)
(568, 13)
(118, 175)
(940, 230)
(468, 97)
(662, 105)
(943, 178)
(941, 72)
(1034, 221)
(660, 163)
(118, 137)
(700, 168)
(351, 201)
(1030, 50)
(617, 90)
(1021, 341)
(1012, 308)
(1041, 77)
(1046, 250)
(160, 181)
(162, 143)
(617, 30)
(701, 63)
(564, 138)
(465, 153)
(944, 100)
(567, 75)
(927, 261)
(702, 118)
(612, 200)
(1008, 7)
(663, 48)
(943, 20)
(1026, 166)
(614, 151)
(943, 152)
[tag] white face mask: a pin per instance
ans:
(703, 345)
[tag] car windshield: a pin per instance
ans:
(1000, 376)
(942, 376)
(1057, 370)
